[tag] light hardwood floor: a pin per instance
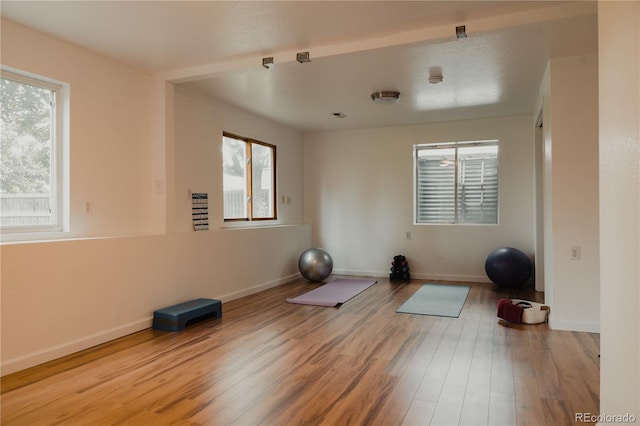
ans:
(273, 363)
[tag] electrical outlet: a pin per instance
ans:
(158, 187)
(87, 207)
(408, 235)
(575, 253)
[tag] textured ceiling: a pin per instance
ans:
(356, 48)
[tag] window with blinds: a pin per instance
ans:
(457, 183)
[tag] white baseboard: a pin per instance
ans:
(582, 326)
(356, 272)
(452, 277)
(35, 358)
(417, 275)
(260, 287)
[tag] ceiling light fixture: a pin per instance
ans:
(266, 62)
(386, 97)
(303, 57)
(435, 75)
(461, 32)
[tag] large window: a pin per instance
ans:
(30, 154)
(456, 183)
(249, 179)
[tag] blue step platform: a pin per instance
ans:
(175, 318)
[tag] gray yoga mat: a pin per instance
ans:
(441, 300)
(335, 293)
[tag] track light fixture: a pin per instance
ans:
(435, 79)
(303, 57)
(435, 75)
(461, 32)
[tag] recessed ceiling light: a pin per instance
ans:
(385, 97)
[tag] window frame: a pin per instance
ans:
(456, 146)
(58, 156)
(249, 142)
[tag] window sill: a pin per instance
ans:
(456, 224)
(58, 237)
(28, 237)
(251, 225)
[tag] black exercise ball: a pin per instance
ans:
(508, 267)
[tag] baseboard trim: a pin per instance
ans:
(581, 326)
(355, 272)
(260, 287)
(418, 275)
(451, 277)
(49, 354)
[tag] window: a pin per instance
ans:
(249, 178)
(30, 154)
(456, 183)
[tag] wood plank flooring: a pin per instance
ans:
(267, 362)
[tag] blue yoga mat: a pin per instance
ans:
(441, 300)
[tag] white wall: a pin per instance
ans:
(358, 190)
(570, 115)
(199, 124)
(65, 296)
(619, 51)
(62, 296)
(110, 109)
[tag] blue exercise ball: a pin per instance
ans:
(315, 264)
(508, 267)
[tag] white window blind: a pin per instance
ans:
(457, 183)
